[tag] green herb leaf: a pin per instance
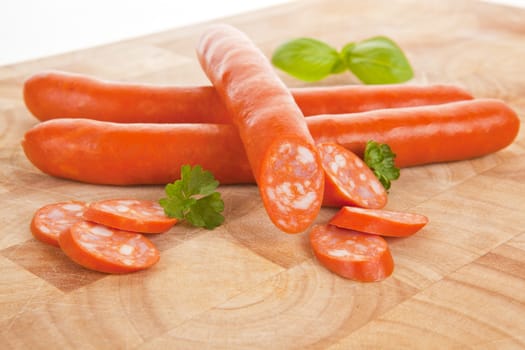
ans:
(377, 60)
(380, 158)
(308, 59)
(192, 198)
(206, 212)
(197, 181)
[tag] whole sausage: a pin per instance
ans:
(130, 154)
(55, 94)
(426, 134)
(125, 154)
(273, 131)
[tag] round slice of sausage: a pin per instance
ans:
(51, 220)
(379, 222)
(291, 185)
(104, 249)
(350, 254)
(348, 180)
(130, 215)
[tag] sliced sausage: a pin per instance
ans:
(348, 180)
(291, 186)
(108, 250)
(134, 215)
(271, 126)
(51, 220)
(350, 254)
(380, 222)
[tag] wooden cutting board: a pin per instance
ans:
(458, 283)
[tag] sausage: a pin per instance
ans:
(273, 131)
(55, 94)
(100, 248)
(350, 254)
(361, 98)
(134, 215)
(130, 154)
(53, 219)
(379, 222)
(125, 154)
(426, 134)
(348, 180)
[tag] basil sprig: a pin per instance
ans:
(377, 60)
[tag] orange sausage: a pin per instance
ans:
(273, 131)
(130, 154)
(55, 94)
(426, 134)
(351, 254)
(53, 219)
(108, 250)
(134, 215)
(125, 154)
(348, 180)
(379, 222)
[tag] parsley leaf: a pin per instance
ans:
(193, 198)
(206, 212)
(380, 158)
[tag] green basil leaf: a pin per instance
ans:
(377, 60)
(308, 59)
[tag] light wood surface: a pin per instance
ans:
(458, 284)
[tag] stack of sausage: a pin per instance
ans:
(301, 146)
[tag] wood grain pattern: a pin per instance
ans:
(458, 284)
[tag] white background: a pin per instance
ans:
(36, 28)
(31, 29)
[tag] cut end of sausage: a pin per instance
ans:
(349, 181)
(291, 185)
(101, 248)
(53, 219)
(350, 254)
